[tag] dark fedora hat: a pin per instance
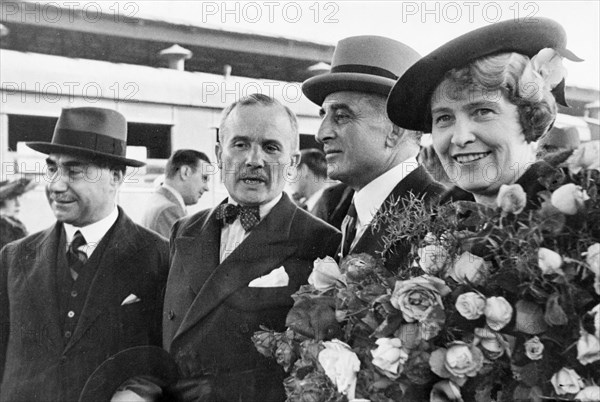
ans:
(12, 189)
(92, 132)
(409, 99)
(363, 64)
(148, 361)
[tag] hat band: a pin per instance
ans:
(88, 140)
(364, 69)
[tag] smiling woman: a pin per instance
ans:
(485, 101)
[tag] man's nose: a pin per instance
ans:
(57, 182)
(325, 131)
(255, 157)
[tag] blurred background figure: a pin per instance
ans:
(558, 140)
(186, 179)
(11, 228)
(428, 158)
(310, 182)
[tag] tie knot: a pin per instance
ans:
(249, 215)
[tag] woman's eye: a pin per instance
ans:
(443, 119)
(483, 112)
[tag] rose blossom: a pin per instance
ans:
(432, 258)
(566, 381)
(591, 393)
(592, 257)
(569, 198)
(457, 362)
(596, 312)
(588, 348)
(445, 391)
(498, 312)
(511, 199)
(357, 267)
(389, 354)
(492, 342)
(341, 365)
(469, 268)
(470, 305)
(587, 156)
(549, 261)
(534, 348)
(325, 274)
(417, 297)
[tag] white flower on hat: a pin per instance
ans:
(548, 64)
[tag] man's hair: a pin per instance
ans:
(263, 100)
(184, 157)
(314, 159)
(510, 73)
(378, 103)
(108, 164)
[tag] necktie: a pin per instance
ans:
(348, 229)
(249, 216)
(76, 258)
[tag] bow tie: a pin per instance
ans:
(249, 216)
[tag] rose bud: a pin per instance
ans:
(325, 274)
(549, 261)
(534, 348)
(511, 199)
(592, 258)
(588, 348)
(341, 365)
(265, 342)
(498, 312)
(591, 393)
(587, 156)
(460, 360)
(569, 198)
(432, 258)
(469, 268)
(566, 381)
(389, 355)
(470, 305)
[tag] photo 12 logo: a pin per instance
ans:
(269, 12)
(468, 11)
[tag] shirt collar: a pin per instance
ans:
(175, 193)
(312, 200)
(94, 232)
(262, 209)
(370, 198)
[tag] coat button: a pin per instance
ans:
(171, 314)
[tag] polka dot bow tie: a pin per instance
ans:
(228, 213)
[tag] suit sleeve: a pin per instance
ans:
(4, 307)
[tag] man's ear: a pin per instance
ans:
(295, 161)
(185, 171)
(394, 136)
(117, 177)
(218, 154)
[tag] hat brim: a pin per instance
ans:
(136, 361)
(49, 148)
(16, 188)
(316, 89)
(408, 101)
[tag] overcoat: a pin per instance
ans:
(162, 211)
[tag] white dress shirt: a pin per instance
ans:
(93, 233)
(233, 234)
(369, 199)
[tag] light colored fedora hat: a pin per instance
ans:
(91, 132)
(366, 63)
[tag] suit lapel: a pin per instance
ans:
(42, 282)
(262, 251)
(110, 277)
(416, 182)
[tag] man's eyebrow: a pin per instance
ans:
(69, 164)
(335, 107)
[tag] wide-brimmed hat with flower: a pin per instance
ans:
(364, 63)
(408, 102)
(89, 132)
(12, 189)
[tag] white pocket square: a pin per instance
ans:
(130, 300)
(276, 278)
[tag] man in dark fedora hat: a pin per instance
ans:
(364, 149)
(90, 285)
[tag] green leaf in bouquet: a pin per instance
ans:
(410, 335)
(528, 374)
(555, 314)
(314, 318)
(388, 326)
(529, 318)
(417, 368)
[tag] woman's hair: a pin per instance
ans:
(513, 75)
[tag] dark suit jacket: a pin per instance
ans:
(37, 362)
(418, 182)
(333, 204)
(210, 313)
(162, 211)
